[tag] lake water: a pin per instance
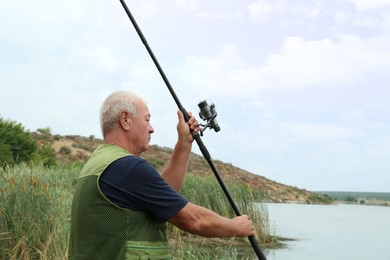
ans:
(330, 232)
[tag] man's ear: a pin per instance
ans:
(125, 120)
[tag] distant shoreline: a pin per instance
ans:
(359, 198)
(384, 203)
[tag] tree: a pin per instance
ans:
(45, 153)
(16, 144)
(5, 154)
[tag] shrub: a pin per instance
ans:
(156, 162)
(65, 150)
(6, 156)
(16, 143)
(45, 155)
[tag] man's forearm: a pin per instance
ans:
(204, 222)
(176, 168)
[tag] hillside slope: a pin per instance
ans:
(76, 148)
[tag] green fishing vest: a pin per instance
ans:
(102, 230)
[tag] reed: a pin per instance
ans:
(35, 205)
(35, 211)
(205, 191)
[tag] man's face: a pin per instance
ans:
(141, 129)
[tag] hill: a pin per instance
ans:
(77, 148)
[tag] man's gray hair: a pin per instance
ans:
(112, 107)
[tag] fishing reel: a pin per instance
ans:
(208, 113)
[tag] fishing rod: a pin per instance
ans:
(208, 112)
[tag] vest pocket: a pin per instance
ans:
(147, 250)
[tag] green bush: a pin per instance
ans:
(156, 162)
(45, 155)
(6, 157)
(16, 144)
(65, 150)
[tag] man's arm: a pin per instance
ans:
(204, 222)
(175, 170)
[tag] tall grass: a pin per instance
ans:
(206, 191)
(35, 205)
(35, 211)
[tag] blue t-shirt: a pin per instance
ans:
(131, 182)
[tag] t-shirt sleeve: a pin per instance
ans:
(140, 187)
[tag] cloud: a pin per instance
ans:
(319, 131)
(223, 74)
(220, 15)
(192, 5)
(308, 15)
(262, 10)
(299, 63)
(144, 9)
(216, 10)
(100, 57)
(369, 5)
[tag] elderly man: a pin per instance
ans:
(122, 203)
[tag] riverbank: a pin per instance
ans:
(359, 198)
(383, 203)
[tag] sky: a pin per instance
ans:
(301, 87)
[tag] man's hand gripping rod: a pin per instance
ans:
(202, 147)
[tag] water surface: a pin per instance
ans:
(331, 232)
